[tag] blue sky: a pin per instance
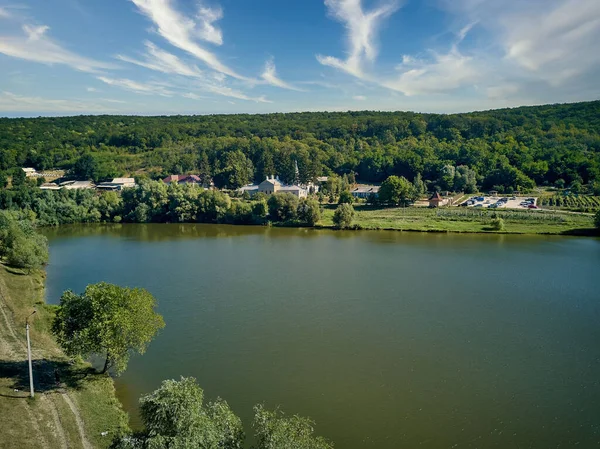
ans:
(64, 57)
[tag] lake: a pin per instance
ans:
(386, 339)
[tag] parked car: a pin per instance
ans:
(478, 205)
(513, 198)
(493, 206)
(532, 206)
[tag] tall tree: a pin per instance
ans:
(397, 191)
(107, 320)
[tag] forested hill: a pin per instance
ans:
(511, 148)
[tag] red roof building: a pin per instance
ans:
(436, 200)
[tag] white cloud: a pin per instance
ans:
(206, 30)
(180, 32)
(20, 103)
(137, 87)
(4, 14)
(362, 27)
(163, 61)
(91, 89)
(445, 72)
(551, 40)
(359, 98)
(192, 96)
(270, 76)
(36, 46)
(229, 92)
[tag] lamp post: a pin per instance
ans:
(29, 354)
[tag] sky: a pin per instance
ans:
(164, 57)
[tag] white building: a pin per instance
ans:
(75, 185)
(29, 172)
(273, 185)
(365, 191)
(117, 184)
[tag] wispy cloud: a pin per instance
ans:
(137, 87)
(362, 27)
(270, 76)
(551, 40)
(181, 31)
(230, 92)
(4, 14)
(192, 96)
(207, 31)
(445, 72)
(359, 98)
(91, 89)
(163, 61)
(20, 103)
(35, 45)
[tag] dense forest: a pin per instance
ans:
(507, 149)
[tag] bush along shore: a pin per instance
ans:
(156, 202)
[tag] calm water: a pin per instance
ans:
(388, 340)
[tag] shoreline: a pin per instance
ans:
(73, 406)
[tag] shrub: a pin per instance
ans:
(497, 224)
(345, 198)
(309, 211)
(283, 206)
(597, 219)
(343, 215)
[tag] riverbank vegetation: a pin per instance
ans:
(156, 202)
(72, 407)
(504, 150)
(176, 416)
(464, 220)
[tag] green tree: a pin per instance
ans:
(19, 177)
(22, 246)
(343, 216)
(346, 197)
(107, 320)
(597, 219)
(396, 190)
(28, 252)
(175, 416)
(275, 430)
(309, 211)
(260, 210)
(212, 206)
(86, 167)
(283, 206)
(419, 186)
(237, 171)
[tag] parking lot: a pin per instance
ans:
(501, 202)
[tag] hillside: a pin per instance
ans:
(506, 149)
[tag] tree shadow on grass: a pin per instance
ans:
(48, 375)
(15, 271)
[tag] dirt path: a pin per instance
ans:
(42, 416)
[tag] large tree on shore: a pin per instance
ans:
(175, 416)
(107, 320)
(397, 190)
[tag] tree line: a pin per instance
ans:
(504, 150)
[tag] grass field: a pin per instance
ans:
(463, 220)
(72, 405)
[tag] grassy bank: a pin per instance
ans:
(465, 220)
(73, 406)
